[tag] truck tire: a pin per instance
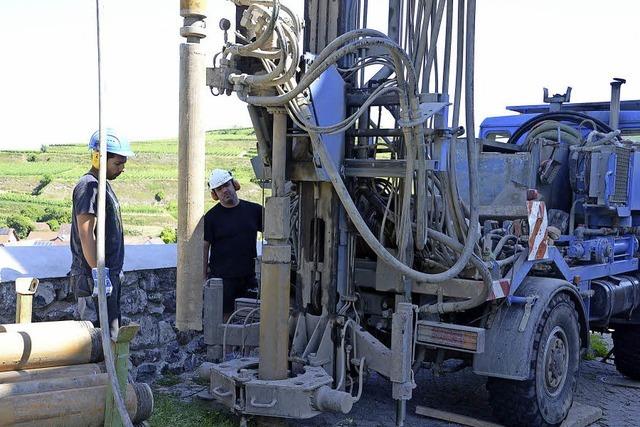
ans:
(544, 399)
(626, 348)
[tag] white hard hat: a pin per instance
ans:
(219, 177)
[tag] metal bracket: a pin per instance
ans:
(224, 393)
(26, 285)
(263, 405)
(428, 109)
(527, 313)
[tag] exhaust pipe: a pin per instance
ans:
(614, 108)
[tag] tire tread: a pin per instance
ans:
(514, 403)
(626, 344)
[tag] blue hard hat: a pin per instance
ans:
(115, 144)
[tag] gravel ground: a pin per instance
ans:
(463, 393)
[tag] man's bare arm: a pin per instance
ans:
(207, 245)
(86, 226)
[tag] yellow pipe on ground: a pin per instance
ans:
(39, 374)
(52, 384)
(41, 345)
(84, 406)
(54, 327)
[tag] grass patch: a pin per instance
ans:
(201, 381)
(598, 347)
(168, 380)
(169, 412)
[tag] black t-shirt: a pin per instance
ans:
(85, 201)
(232, 233)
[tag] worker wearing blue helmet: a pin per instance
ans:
(83, 232)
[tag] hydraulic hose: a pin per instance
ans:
(284, 8)
(509, 260)
(472, 151)
(319, 61)
(447, 47)
(278, 75)
(413, 136)
(502, 242)
(573, 117)
(455, 119)
(554, 131)
(293, 64)
(265, 79)
(449, 307)
(431, 54)
(322, 64)
(260, 54)
(337, 181)
(421, 48)
(349, 121)
(412, 126)
(453, 179)
(263, 38)
(363, 229)
(553, 125)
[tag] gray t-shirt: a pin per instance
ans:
(85, 201)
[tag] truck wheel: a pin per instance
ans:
(626, 347)
(546, 397)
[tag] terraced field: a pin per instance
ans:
(153, 170)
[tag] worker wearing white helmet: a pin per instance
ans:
(230, 234)
(83, 237)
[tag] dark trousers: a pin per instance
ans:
(89, 308)
(237, 287)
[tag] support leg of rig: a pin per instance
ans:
(401, 355)
(121, 356)
(213, 318)
(401, 412)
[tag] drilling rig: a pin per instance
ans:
(396, 238)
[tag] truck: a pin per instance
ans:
(395, 237)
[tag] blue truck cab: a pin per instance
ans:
(501, 128)
(561, 182)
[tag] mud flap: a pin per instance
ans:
(508, 341)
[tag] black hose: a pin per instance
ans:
(558, 116)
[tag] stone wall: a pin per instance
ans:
(148, 298)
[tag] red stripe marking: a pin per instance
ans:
(542, 249)
(506, 286)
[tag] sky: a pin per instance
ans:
(48, 65)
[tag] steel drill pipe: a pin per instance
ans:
(191, 141)
(275, 274)
(52, 384)
(39, 374)
(64, 326)
(32, 346)
(79, 406)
